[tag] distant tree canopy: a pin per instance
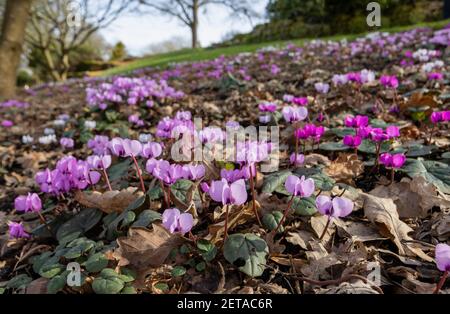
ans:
(119, 52)
(311, 18)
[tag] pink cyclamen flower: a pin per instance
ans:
(28, 203)
(99, 162)
(132, 147)
(338, 207)
(442, 254)
(352, 141)
(322, 88)
(151, 150)
(16, 230)
(227, 194)
(294, 114)
(392, 161)
(174, 221)
(205, 187)
(67, 142)
(297, 159)
(299, 186)
(193, 172)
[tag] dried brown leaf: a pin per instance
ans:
(345, 168)
(109, 202)
(143, 248)
(383, 213)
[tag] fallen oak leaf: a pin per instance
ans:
(413, 198)
(345, 168)
(382, 212)
(143, 248)
(109, 202)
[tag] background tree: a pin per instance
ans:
(58, 27)
(187, 11)
(16, 14)
(119, 52)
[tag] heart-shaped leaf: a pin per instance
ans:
(271, 220)
(248, 252)
(81, 222)
(274, 180)
(435, 172)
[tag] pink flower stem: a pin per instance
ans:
(138, 171)
(431, 133)
(286, 211)
(296, 145)
(392, 175)
(325, 229)
(252, 187)
(169, 200)
(105, 174)
(226, 224)
(441, 282)
(161, 184)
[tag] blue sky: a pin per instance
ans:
(137, 32)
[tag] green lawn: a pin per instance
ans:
(163, 60)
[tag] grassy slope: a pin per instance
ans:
(162, 60)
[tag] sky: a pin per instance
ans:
(138, 32)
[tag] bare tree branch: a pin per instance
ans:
(58, 27)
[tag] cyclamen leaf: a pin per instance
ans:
(248, 252)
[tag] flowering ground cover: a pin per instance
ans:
(321, 168)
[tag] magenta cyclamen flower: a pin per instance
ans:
(228, 194)
(338, 207)
(435, 76)
(356, 122)
(300, 101)
(440, 116)
(299, 186)
(392, 161)
(297, 159)
(28, 203)
(7, 123)
(352, 141)
(267, 107)
(389, 81)
(174, 221)
(16, 230)
(294, 114)
(442, 254)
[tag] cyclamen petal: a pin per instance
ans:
(342, 207)
(442, 254)
(238, 192)
(324, 205)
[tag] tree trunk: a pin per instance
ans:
(11, 44)
(194, 25)
(446, 9)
